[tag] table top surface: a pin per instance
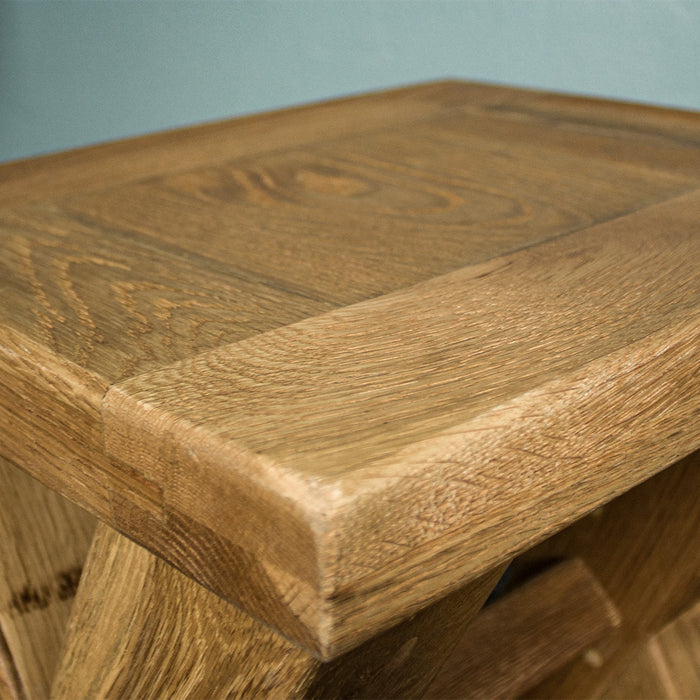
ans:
(335, 361)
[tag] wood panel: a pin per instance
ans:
(432, 429)
(43, 545)
(116, 305)
(520, 638)
(667, 132)
(105, 165)
(620, 120)
(330, 385)
(649, 145)
(362, 216)
(62, 445)
(50, 420)
(142, 629)
(645, 549)
(279, 238)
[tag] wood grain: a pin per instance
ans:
(117, 304)
(97, 167)
(667, 132)
(9, 683)
(50, 420)
(43, 544)
(62, 445)
(667, 665)
(521, 638)
(334, 473)
(431, 429)
(431, 356)
(620, 120)
(650, 149)
(679, 648)
(644, 548)
(351, 219)
(134, 611)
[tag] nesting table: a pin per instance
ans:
(322, 374)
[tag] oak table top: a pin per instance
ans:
(335, 362)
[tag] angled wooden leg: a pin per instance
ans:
(666, 666)
(142, 629)
(525, 635)
(44, 540)
(644, 548)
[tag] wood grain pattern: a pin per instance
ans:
(9, 683)
(641, 136)
(329, 383)
(672, 135)
(521, 638)
(644, 548)
(43, 544)
(348, 220)
(134, 611)
(117, 304)
(391, 450)
(679, 648)
(62, 445)
(667, 665)
(50, 420)
(410, 434)
(97, 167)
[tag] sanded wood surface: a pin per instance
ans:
(344, 221)
(652, 136)
(43, 544)
(415, 424)
(521, 638)
(355, 354)
(96, 167)
(142, 629)
(9, 682)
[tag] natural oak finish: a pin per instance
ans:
(9, 683)
(336, 362)
(401, 430)
(107, 165)
(667, 665)
(43, 543)
(521, 638)
(134, 611)
(348, 220)
(658, 138)
(644, 548)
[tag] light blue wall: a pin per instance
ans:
(73, 73)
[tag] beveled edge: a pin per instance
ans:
(651, 386)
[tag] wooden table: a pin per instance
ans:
(334, 368)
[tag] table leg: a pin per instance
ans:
(140, 628)
(644, 548)
(44, 540)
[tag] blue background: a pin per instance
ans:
(73, 73)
